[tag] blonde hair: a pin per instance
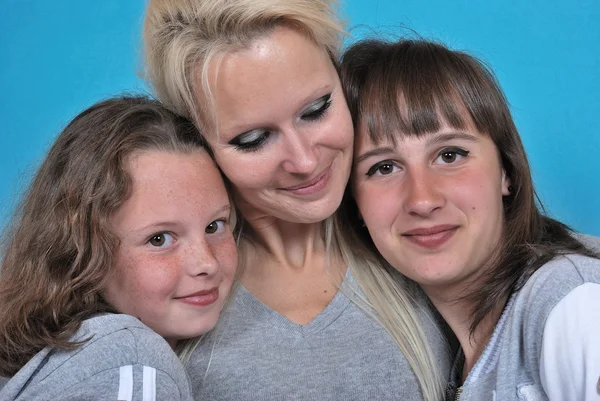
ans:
(391, 300)
(181, 39)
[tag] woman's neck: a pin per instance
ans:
(290, 245)
(288, 268)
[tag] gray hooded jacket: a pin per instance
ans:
(123, 360)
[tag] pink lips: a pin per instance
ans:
(312, 186)
(201, 298)
(431, 237)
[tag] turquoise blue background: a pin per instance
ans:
(58, 57)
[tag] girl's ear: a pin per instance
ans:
(507, 188)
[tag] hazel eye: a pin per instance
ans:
(160, 240)
(215, 226)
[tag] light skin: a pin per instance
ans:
(433, 206)
(176, 259)
(284, 140)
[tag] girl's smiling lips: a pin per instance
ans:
(312, 186)
(201, 298)
(431, 237)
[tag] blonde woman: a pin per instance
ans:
(317, 316)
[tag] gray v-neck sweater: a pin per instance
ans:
(343, 354)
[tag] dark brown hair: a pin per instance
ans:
(59, 249)
(409, 88)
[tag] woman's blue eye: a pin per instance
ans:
(161, 239)
(317, 109)
(451, 155)
(251, 140)
(215, 226)
(384, 167)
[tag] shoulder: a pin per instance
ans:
(127, 340)
(567, 285)
(125, 332)
(118, 352)
(548, 286)
(561, 275)
(589, 241)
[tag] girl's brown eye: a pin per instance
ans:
(211, 228)
(449, 157)
(157, 240)
(161, 240)
(215, 226)
(385, 169)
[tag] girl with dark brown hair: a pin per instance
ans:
(442, 183)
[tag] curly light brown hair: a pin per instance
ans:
(59, 250)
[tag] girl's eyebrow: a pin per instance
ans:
(449, 136)
(156, 224)
(433, 139)
(374, 152)
(175, 223)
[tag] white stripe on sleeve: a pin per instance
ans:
(149, 386)
(125, 383)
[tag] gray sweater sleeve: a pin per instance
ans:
(106, 385)
(123, 360)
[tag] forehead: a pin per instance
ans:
(398, 139)
(171, 172)
(390, 125)
(274, 76)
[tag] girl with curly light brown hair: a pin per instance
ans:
(120, 252)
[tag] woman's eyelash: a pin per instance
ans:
(318, 108)
(251, 145)
(314, 112)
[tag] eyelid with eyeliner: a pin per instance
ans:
(454, 150)
(375, 167)
(254, 139)
(317, 108)
(247, 137)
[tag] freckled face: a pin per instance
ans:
(284, 130)
(433, 205)
(177, 257)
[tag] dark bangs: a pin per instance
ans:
(412, 87)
